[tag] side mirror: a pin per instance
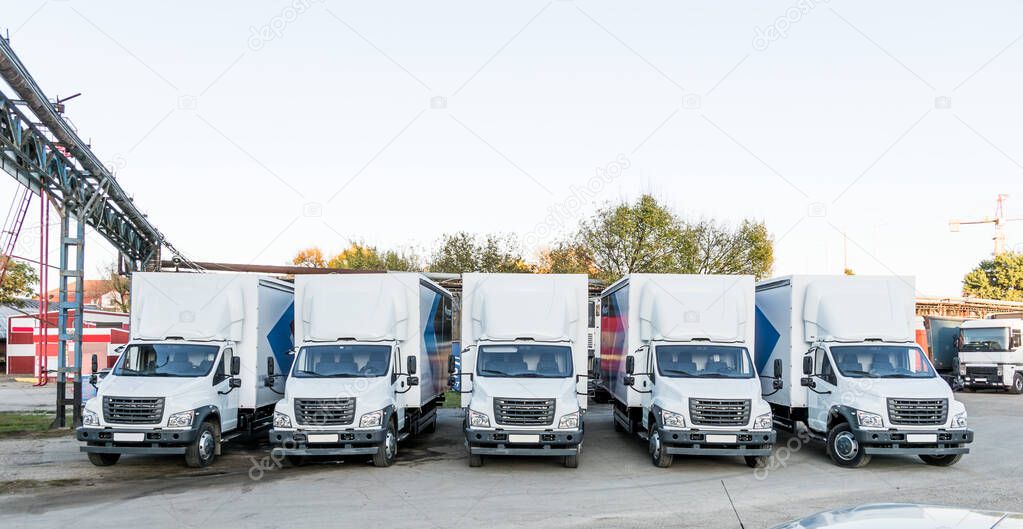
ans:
(451, 365)
(807, 365)
(778, 383)
(413, 381)
(807, 382)
(411, 367)
(95, 363)
(270, 366)
(236, 366)
(779, 369)
(629, 380)
(1016, 340)
(93, 379)
(630, 365)
(235, 383)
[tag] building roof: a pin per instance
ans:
(28, 306)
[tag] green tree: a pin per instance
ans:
(714, 248)
(463, 252)
(998, 278)
(18, 282)
(359, 256)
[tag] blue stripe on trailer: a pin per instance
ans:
(281, 338)
(766, 340)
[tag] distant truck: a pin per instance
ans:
(675, 357)
(991, 354)
(371, 367)
(837, 354)
(524, 365)
(192, 375)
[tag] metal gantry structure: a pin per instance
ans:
(44, 153)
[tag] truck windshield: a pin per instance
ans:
(985, 339)
(166, 360)
(525, 361)
(703, 361)
(882, 361)
(358, 360)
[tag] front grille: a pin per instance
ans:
(982, 371)
(133, 410)
(705, 412)
(914, 412)
(524, 412)
(325, 412)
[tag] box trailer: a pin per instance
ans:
(676, 359)
(524, 364)
(837, 359)
(371, 366)
(193, 373)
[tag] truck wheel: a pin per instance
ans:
(660, 457)
(571, 461)
(432, 427)
(618, 426)
(942, 461)
(296, 461)
(202, 451)
(756, 461)
(103, 460)
(387, 449)
(475, 460)
(1017, 384)
(844, 449)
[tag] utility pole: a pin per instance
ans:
(999, 221)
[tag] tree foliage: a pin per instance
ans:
(463, 252)
(18, 282)
(311, 257)
(998, 278)
(120, 285)
(567, 258)
(359, 256)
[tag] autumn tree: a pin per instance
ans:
(567, 257)
(120, 285)
(18, 282)
(998, 278)
(311, 257)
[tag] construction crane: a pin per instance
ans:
(999, 221)
(41, 150)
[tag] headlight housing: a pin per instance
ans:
(763, 422)
(959, 421)
(569, 421)
(478, 419)
(372, 419)
(281, 420)
(181, 420)
(671, 419)
(869, 420)
(90, 418)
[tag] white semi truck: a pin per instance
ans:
(837, 354)
(371, 366)
(192, 375)
(524, 364)
(991, 354)
(676, 357)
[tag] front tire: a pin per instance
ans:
(1017, 384)
(941, 461)
(658, 454)
(844, 449)
(103, 460)
(475, 460)
(387, 450)
(571, 461)
(756, 461)
(203, 450)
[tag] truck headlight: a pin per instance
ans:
(372, 419)
(90, 419)
(478, 419)
(671, 419)
(870, 420)
(569, 421)
(281, 420)
(181, 420)
(959, 421)
(764, 422)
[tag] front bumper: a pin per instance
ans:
(984, 382)
(537, 443)
(156, 441)
(948, 442)
(707, 442)
(346, 443)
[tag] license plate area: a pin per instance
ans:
(125, 437)
(922, 438)
(323, 438)
(721, 439)
(524, 438)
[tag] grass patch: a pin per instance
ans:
(20, 422)
(452, 399)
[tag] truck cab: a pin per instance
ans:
(991, 354)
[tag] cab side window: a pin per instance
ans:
(827, 372)
(224, 367)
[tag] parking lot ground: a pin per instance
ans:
(46, 482)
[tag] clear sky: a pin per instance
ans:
(248, 130)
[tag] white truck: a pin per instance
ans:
(523, 365)
(192, 375)
(837, 354)
(676, 359)
(991, 354)
(371, 366)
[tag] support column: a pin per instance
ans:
(70, 245)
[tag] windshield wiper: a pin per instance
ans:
(310, 373)
(678, 372)
(862, 373)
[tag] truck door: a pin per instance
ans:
(821, 397)
(399, 384)
(225, 397)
